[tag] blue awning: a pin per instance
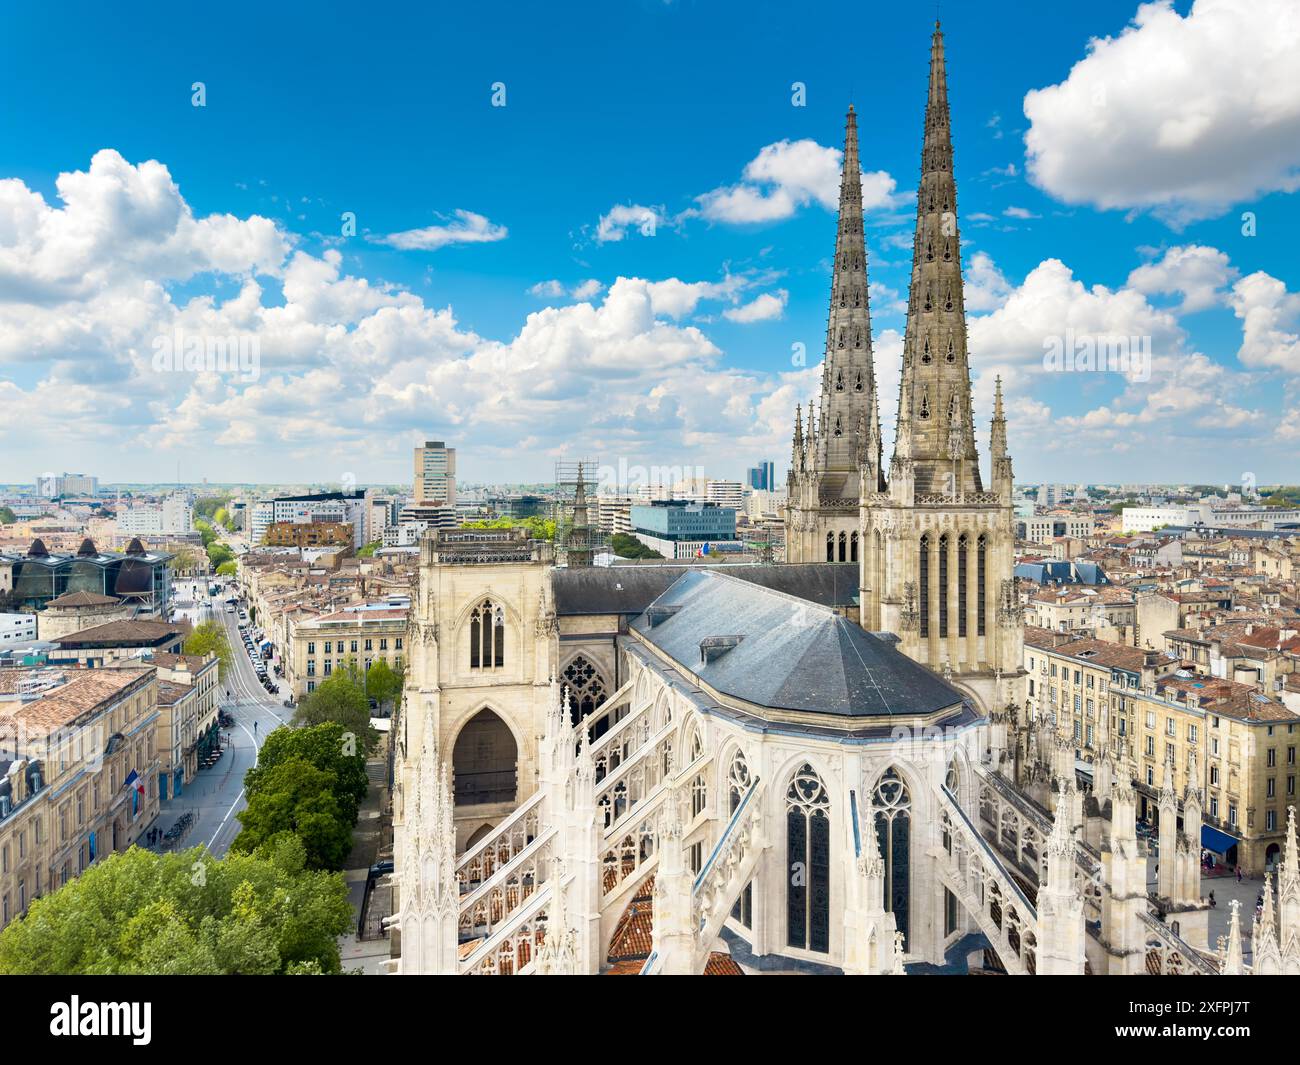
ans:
(1214, 840)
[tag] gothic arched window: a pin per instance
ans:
(924, 412)
(951, 356)
(981, 553)
(943, 585)
(487, 636)
(586, 688)
(830, 547)
(853, 547)
(808, 857)
(924, 581)
(843, 548)
(739, 780)
(857, 384)
(839, 380)
(925, 352)
(963, 545)
(893, 805)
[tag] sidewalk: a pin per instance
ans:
(371, 839)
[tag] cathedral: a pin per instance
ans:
(811, 767)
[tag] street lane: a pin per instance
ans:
(216, 795)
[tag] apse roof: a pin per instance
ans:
(775, 650)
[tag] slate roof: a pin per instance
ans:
(630, 589)
(83, 599)
(793, 654)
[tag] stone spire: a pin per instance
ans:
(577, 538)
(1060, 930)
(848, 394)
(1230, 962)
(934, 393)
(796, 449)
(1003, 477)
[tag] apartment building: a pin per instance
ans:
(361, 634)
(78, 773)
(1239, 743)
(187, 717)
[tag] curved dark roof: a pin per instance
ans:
(38, 549)
(87, 549)
(775, 650)
(630, 589)
(135, 547)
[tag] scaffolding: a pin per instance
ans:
(577, 539)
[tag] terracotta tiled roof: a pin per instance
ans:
(86, 689)
(82, 599)
(720, 964)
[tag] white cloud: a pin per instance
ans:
(786, 176)
(583, 290)
(985, 289)
(547, 290)
(1184, 116)
(469, 228)
(1019, 212)
(763, 308)
(622, 217)
(1196, 272)
(1270, 320)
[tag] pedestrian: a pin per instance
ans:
(1238, 874)
(1212, 902)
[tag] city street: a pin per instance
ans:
(216, 795)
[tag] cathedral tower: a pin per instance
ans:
(843, 437)
(937, 548)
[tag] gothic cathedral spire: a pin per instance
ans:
(936, 425)
(848, 393)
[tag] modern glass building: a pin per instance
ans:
(136, 575)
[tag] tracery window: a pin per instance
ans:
(963, 546)
(808, 849)
(981, 551)
(924, 581)
(830, 547)
(943, 585)
(487, 636)
(843, 548)
(738, 781)
(586, 688)
(853, 547)
(893, 803)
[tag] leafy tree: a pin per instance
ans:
(627, 546)
(219, 553)
(228, 568)
(209, 637)
(369, 550)
(7, 516)
(187, 560)
(328, 747)
(185, 913)
(340, 698)
(383, 683)
(296, 798)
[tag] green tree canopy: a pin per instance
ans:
(296, 798)
(209, 637)
(219, 553)
(383, 683)
(7, 516)
(185, 914)
(341, 698)
(328, 747)
(228, 568)
(627, 546)
(369, 550)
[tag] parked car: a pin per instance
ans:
(381, 869)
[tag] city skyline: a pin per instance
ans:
(619, 300)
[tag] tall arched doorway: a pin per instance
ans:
(484, 761)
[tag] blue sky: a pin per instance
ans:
(1137, 155)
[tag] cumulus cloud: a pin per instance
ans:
(1270, 320)
(1181, 115)
(762, 308)
(786, 176)
(468, 228)
(1198, 273)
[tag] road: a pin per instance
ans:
(216, 795)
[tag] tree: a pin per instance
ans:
(7, 516)
(209, 637)
(228, 568)
(296, 798)
(139, 913)
(383, 683)
(627, 546)
(340, 698)
(369, 550)
(328, 747)
(219, 553)
(187, 560)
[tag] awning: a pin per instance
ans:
(1214, 840)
